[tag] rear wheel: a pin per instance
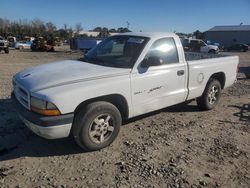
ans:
(210, 96)
(96, 126)
(212, 52)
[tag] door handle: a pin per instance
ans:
(180, 72)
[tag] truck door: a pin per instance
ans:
(160, 85)
(204, 47)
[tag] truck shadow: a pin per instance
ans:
(182, 107)
(17, 141)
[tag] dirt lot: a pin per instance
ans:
(174, 147)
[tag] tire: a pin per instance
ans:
(20, 47)
(212, 52)
(6, 50)
(51, 49)
(210, 96)
(96, 126)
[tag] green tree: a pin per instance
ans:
(199, 35)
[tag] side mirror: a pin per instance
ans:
(152, 61)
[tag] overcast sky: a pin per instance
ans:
(145, 15)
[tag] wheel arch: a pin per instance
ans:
(220, 76)
(116, 99)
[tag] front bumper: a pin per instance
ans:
(50, 127)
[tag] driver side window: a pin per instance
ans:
(202, 43)
(165, 49)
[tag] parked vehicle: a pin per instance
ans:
(238, 47)
(126, 75)
(84, 44)
(197, 45)
(12, 41)
(23, 45)
(4, 45)
(40, 44)
(185, 44)
(221, 47)
(58, 41)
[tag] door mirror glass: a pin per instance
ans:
(152, 61)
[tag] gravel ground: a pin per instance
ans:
(174, 147)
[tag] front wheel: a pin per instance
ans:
(210, 96)
(20, 47)
(96, 126)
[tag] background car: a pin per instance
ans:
(197, 45)
(23, 45)
(238, 47)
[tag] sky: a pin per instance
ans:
(143, 15)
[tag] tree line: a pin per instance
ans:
(36, 27)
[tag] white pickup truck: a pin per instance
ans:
(126, 75)
(197, 45)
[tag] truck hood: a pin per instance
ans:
(64, 72)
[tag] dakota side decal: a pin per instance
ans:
(149, 91)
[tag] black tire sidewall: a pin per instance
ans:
(85, 117)
(212, 52)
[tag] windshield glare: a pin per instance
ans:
(117, 51)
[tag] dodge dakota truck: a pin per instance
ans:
(124, 76)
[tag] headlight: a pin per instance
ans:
(43, 107)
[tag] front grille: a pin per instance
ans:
(21, 94)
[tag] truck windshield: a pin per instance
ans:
(117, 51)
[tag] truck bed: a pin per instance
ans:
(202, 65)
(191, 56)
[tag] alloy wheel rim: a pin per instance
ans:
(213, 95)
(101, 128)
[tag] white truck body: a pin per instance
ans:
(208, 47)
(203, 47)
(67, 84)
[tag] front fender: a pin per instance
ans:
(68, 97)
